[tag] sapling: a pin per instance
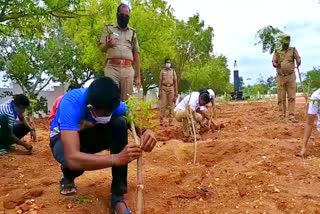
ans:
(139, 116)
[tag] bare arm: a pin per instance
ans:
(105, 41)
(175, 83)
(160, 83)
(297, 57)
(20, 142)
(26, 122)
(275, 61)
(205, 114)
(78, 160)
(213, 102)
(136, 58)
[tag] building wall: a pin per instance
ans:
(6, 93)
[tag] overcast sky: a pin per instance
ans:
(235, 23)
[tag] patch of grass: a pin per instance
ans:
(225, 99)
(83, 199)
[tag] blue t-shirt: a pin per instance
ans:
(72, 110)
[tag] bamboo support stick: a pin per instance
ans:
(190, 118)
(139, 173)
(301, 84)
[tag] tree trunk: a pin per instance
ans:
(145, 91)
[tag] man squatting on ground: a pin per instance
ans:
(14, 125)
(194, 100)
(75, 148)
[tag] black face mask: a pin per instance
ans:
(123, 20)
(285, 46)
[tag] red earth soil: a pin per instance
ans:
(247, 167)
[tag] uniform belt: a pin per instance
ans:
(120, 61)
(168, 85)
(284, 75)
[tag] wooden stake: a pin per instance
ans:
(190, 118)
(139, 173)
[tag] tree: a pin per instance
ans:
(193, 42)
(152, 20)
(154, 23)
(271, 82)
(312, 80)
(212, 73)
(29, 63)
(269, 37)
(30, 17)
(67, 66)
(23, 63)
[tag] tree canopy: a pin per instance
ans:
(45, 41)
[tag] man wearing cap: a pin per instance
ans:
(122, 52)
(284, 61)
(168, 91)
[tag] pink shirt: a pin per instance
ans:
(54, 108)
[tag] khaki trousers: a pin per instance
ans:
(166, 101)
(279, 103)
(181, 116)
(287, 91)
(123, 76)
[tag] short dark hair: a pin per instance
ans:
(21, 100)
(122, 5)
(103, 93)
(203, 90)
(205, 96)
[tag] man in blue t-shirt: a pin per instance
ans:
(89, 121)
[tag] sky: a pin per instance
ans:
(235, 23)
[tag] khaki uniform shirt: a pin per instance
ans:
(168, 77)
(286, 59)
(124, 42)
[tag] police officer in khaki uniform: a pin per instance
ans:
(122, 52)
(168, 91)
(284, 61)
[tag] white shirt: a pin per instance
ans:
(314, 106)
(211, 93)
(194, 102)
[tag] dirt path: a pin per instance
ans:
(248, 167)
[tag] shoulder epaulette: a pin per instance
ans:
(132, 29)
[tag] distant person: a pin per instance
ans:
(194, 100)
(75, 148)
(204, 109)
(14, 125)
(56, 103)
(168, 91)
(121, 45)
(284, 61)
(313, 112)
(212, 96)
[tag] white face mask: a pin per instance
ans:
(102, 120)
(168, 65)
